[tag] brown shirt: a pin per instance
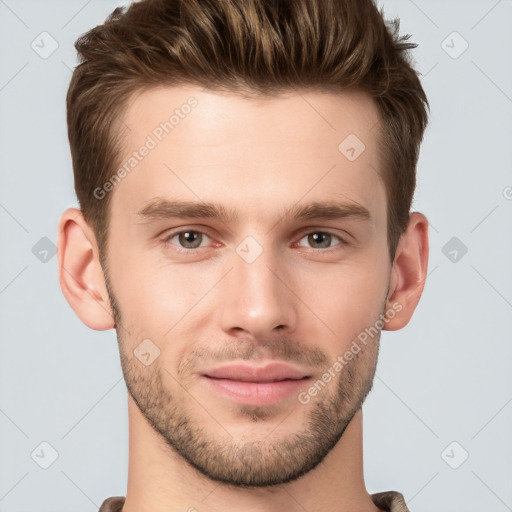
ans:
(390, 501)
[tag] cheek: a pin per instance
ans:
(155, 297)
(348, 297)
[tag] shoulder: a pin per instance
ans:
(113, 504)
(390, 501)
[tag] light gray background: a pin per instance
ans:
(445, 378)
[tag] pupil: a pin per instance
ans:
(190, 237)
(317, 238)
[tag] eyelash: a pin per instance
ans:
(167, 240)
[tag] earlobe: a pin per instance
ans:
(408, 273)
(80, 274)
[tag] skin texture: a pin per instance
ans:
(302, 300)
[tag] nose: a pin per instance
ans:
(258, 299)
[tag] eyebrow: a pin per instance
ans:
(161, 209)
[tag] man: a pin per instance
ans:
(245, 171)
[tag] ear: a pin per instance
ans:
(408, 273)
(80, 273)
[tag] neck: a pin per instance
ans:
(161, 481)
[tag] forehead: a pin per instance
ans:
(192, 144)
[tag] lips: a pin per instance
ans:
(271, 372)
(251, 385)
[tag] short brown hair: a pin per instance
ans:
(261, 47)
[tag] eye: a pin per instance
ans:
(190, 240)
(187, 239)
(321, 239)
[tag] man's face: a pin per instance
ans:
(257, 287)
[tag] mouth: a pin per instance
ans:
(255, 385)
